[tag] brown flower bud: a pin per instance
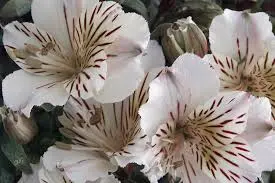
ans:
(181, 37)
(19, 127)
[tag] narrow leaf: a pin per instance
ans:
(15, 153)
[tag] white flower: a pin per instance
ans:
(42, 175)
(196, 131)
(76, 166)
(83, 48)
(264, 152)
(243, 53)
(102, 134)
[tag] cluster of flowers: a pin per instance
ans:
(207, 119)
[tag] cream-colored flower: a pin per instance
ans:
(83, 48)
(196, 131)
(103, 135)
(243, 53)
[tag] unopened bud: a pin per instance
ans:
(181, 37)
(19, 127)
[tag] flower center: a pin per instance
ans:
(255, 84)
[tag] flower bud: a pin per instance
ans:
(183, 36)
(19, 127)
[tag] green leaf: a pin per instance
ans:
(6, 170)
(48, 107)
(266, 176)
(15, 8)
(119, 1)
(15, 153)
(272, 177)
(138, 6)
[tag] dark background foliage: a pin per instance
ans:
(15, 158)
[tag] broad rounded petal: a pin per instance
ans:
(113, 128)
(259, 121)
(153, 56)
(175, 93)
(120, 85)
(167, 94)
(228, 71)
(221, 119)
(46, 176)
(21, 91)
(78, 165)
(197, 68)
(264, 151)
(25, 42)
(245, 34)
(134, 29)
(108, 179)
(231, 163)
(16, 35)
(129, 45)
(56, 17)
(51, 16)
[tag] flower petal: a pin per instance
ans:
(168, 100)
(195, 67)
(153, 56)
(22, 91)
(220, 119)
(128, 47)
(26, 45)
(121, 84)
(56, 17)
(228, 71)
(259, 121)
(175, 93)
(245, 34)
(52, 177)
(265, 73)
(263, 151)
(231, 163)
(111, 128)
(89, 81)
(116, 89)
(108, 179)
(130, 22)
(78, 165)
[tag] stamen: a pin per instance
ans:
(33, 62)
(31, 49)
(177, 164)
(20, 53)
(49, 46)
(96, 118)
(168, 140)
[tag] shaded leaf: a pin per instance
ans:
(266, 176)
(15, 8)
(272, 176)
(119, 1)
(6, 170)
(15, 153)
(137, 6)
